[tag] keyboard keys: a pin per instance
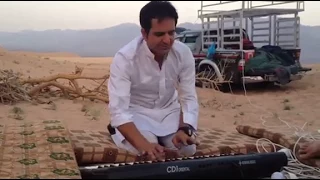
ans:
(91, 167)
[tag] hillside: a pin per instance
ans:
(106, 42)
(89, 43)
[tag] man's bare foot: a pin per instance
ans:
(309, 150)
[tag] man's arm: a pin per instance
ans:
(187, 92)
(119, 86)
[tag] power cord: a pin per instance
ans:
(295, 168)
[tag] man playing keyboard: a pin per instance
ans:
(152, 97)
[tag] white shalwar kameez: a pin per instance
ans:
(142, 93)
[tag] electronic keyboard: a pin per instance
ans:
(202, 167)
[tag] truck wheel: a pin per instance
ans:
(207, 78)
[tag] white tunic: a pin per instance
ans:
(141, 92)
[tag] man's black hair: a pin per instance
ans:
(157, 10)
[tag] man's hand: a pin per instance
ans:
(153, 150)
(309, 150)
(132, 134)
(182, 138)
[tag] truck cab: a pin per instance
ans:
(193, 39)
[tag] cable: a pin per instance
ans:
(294, 165)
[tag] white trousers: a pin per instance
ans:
(166, 141)
(157, 127)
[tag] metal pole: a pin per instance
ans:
(296, 31)
(270, 29)
(218, 44)
(241, 28)
(202, 25)
(275, 30)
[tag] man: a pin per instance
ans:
(143, 96)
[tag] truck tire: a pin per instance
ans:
(207, 72)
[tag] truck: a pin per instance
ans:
(253, 43)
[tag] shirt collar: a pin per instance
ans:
(146, 49)
(148, 52)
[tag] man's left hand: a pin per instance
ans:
(182, 138)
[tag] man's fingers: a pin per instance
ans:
(175, 142)
(143, 153)
(184, 141)
(152, 155)
(191, 141)
(302, 151)
(304, 146)
(160, 149)
(197, 143)
(158, 155)
(304, 156)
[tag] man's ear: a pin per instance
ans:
(144, 34)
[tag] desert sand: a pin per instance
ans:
(297, 103)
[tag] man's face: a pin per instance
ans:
(161, 36)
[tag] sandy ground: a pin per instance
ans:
(297, 103)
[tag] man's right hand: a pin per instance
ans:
(131, 134)
(154, 151)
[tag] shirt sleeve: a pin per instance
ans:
(119, 91)
(187, 90)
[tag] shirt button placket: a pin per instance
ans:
(162, 84)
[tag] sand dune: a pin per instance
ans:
(297, 103)
(53, 54)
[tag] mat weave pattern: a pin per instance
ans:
(37, 150)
